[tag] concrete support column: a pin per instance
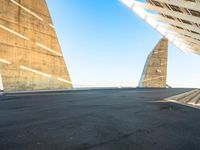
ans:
(155, 70)
(30, 54)
(1, 83)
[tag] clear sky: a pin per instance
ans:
(105, 44)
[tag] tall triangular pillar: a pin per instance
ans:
(155, 70)
(30, 55)
(1, 84)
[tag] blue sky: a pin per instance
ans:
(105, 44)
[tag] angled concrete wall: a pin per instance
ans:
(155, 70)
(30, 55)
(1, 84)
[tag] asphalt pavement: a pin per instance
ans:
(104, 119)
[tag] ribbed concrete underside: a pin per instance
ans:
(191, 98)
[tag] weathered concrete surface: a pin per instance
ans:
(116, 119)
(30, 55)
(1, 83)
(155, 69)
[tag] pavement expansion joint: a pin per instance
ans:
(191, 98)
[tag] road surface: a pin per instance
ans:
(104, 119)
